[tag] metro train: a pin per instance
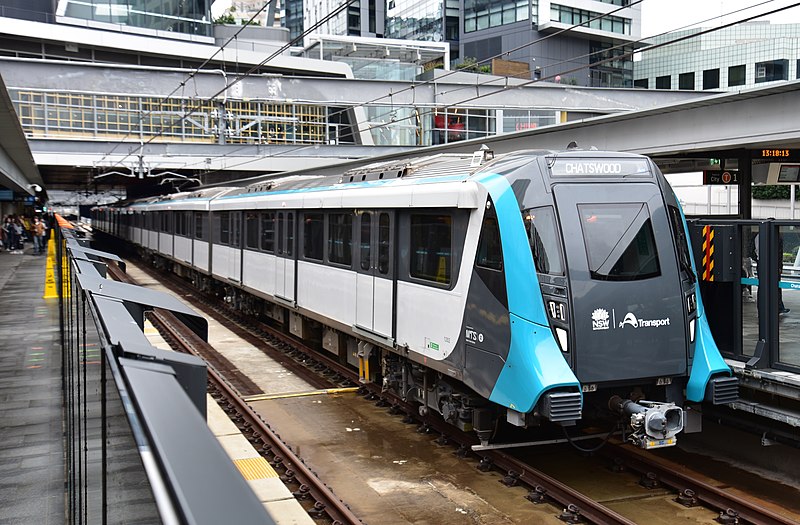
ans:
(536, 288)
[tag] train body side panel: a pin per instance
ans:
(258, 271)
(183, 249)
(327, 290)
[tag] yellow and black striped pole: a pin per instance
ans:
(708, 253)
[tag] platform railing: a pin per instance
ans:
(747, 270)
(137, 445)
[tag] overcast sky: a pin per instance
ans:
(667, 15)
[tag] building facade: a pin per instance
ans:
(739, 57)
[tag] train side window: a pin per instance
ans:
(281, 226)
(224, 228)
(268, 231)
(619, 240)
(384, 246)
(431, 247)
(540, 224)
(199, 225)
(313, 232)
(236, 229)
(340, 238)
(251, 230)
(290, 234)
(490, 250)
(365, 243)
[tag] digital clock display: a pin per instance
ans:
(776, 153)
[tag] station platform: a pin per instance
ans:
(32, 464)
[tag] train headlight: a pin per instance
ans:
(691, 303)
(563, 339)
(557, 311)
(691, 330)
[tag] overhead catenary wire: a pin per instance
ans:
(551, 76)
(237, 79)
(196, 70)
(318, 24)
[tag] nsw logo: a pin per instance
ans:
(600, 319)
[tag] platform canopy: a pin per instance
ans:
(18, 172)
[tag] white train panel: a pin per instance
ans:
(327, 290)
(165, 243)
(429, 319)
(183, 249)
(374, 304)
(200, 254)
(226, 262)
(284, 278)
(258, 271)
(152, 240)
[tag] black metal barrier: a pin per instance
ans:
(744, 267)
(137, 444)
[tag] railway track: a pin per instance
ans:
(690, 490)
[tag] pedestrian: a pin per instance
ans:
(38, 236)
(779, 267)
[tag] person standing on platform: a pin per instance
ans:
(38, 236)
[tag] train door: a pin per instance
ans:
(284, 252)
(375, 277)
(628, 311)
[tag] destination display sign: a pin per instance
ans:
(598, 167)
(726, 177)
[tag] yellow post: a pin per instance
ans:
(50, 291)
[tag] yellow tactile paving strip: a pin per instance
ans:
(255, 468)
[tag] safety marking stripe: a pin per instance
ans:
(255, 468)
(266, 397)
(708, 253)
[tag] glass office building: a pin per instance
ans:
(580, 42)
(182, 17)
(743, 56)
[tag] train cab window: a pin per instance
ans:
(199, 225)
(540, 223)
(679, 235)
(384, 239)
(431, 247)
(225, 228)
(313, 230)
(365, 243)
(490, 251)
(619, 239)
(340, 237)
(251, 230)
(268, 231)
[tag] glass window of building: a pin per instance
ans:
(737, 76)
(686, 81)
(482, 14)
(772, 70)
(414, 20)
(574, 16)
(711, 78)
(664, 82)
(642, 83)
(187, 16)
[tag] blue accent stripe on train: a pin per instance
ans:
(534, 364)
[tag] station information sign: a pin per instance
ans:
(727, 177)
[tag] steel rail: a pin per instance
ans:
(310, 485)
(680, 479)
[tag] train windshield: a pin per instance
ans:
(540, 223)
(619, 241)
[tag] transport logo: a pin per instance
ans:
(600, 319)
(631, 320)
